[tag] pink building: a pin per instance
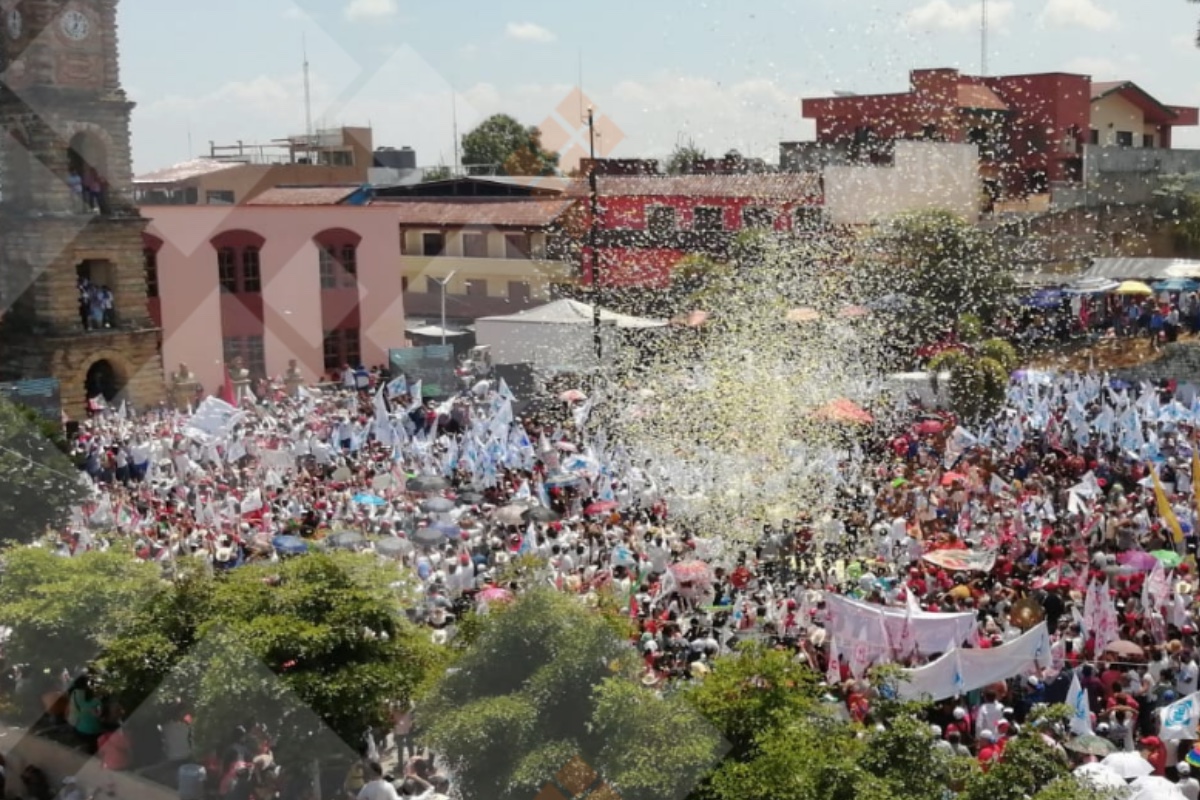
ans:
(318, 282)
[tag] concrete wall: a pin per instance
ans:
(1114, 113)
(292, 300)
(924, 175)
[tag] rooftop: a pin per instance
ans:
(491, 213)
(186, 170)
(305, 195)
(770, 186)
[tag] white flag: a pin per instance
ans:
(1081, 713)
(1178, 720)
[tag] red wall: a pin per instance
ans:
(629, 212)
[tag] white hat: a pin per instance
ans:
(987, 736)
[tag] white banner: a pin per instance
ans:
(962, 670)
(931, 633)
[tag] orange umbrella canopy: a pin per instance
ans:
(844, 411)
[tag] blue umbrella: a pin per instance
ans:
(1045, 299)
(1176, 285)
(369, 500)
(289, 545)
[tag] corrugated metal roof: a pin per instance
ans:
(791, 186)
(304, 196)
(187, 170)
(550, 183)
(517, 213)
(1142, 269)
(975, 96)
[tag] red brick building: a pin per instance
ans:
(647, 224)
(1032, 130)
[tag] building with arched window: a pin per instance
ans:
(320, 285)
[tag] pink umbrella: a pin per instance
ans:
(1137, 560)
(572, 396)
(494, 594)
(692, 572)
(601, 507)
(565, 447)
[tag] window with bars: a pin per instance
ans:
(328, 264)
(251, 271)
(150, 264)
(350, 266)
(250, 350)
(227, 268)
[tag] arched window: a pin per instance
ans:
(337, 256)
(239, 261)
(150, 247)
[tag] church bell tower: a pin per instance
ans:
(73, 283)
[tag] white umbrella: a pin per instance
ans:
(510, 514)
(1100, 776)
(1152, 787)
(1128, 765)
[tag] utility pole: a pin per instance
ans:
(444, 283)
(595, 256)
(983, 38)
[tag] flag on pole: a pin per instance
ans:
(1081, 713)
(227, 393)
(1165, 512)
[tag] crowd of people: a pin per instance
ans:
(1071, 517)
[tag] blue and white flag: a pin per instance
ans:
(1081, 713)
(1178, 720)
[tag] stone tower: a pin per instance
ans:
(67, 213)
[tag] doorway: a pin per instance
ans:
(104, 379)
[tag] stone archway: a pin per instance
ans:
(105, 378)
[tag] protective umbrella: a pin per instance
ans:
(929, 427)
(1134, 288)
(853, 312)
(1152, 787)
(1044, 299)
(427, 537)
(369, 500)
(1100, 776)
(342, 474)
(469, 499)
(565, 447)
(951, 477)
(1128, 765)
(1176, 285)
(494, 594)
(427, 483)
(540, 513)
(601, 507)
(437, 505)
(392, 547)
(346, 540)
(289, 545)
(511, 514)
(572, 396)
(1125, 648)
(1091, 745)
(1169, 558)
(1137, 560)
(1091, 286)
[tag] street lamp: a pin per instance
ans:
(592, 190)
(444, 282)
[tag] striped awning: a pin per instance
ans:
(1142, 269)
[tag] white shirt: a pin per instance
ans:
(378, 789)
(1189, 787)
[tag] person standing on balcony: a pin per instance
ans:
(91, 189)
(75, 183)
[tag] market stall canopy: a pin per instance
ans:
(1142, 269)
(572, 312)
(1093, 285)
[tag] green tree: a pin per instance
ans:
(696, 282)
(38, 482)
(438, 173)
(978, 378)
(503, 143)
(546, 680)
(684, 158)
(941, 266)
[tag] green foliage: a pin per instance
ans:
(969, 327)
(943, 265)
(684, 158)
(977, 388)
(64, 611)
(546, 680)
(697, 282)
(438, 173)
(1028, 767)
(500, 141)
(38, 483)
(946, 361)
(1000, 351)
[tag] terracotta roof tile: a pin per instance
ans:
(303, 196)
(494, 213)
(187, 170)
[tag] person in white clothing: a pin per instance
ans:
(377, 788)
(1188, 786)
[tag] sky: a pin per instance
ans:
(723, 74)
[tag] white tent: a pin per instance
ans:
(556, 336)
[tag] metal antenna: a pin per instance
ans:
(454, 122)
(983, 38)
(308, 129)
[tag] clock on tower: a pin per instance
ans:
(72, 276)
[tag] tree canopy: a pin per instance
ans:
(38, 483)
(684, 158)
(501, 142)
(547, 681)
